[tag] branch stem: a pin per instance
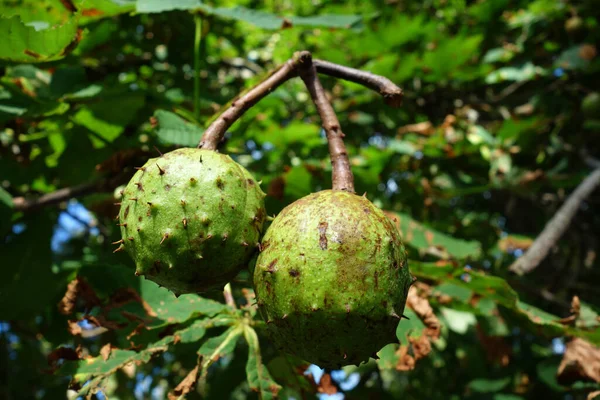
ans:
(391, 93)
(555, 228)
(341, 172)
(215, 132)
(103, 185)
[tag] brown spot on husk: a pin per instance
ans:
(271, 267)
(322, 235)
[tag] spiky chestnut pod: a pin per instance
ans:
(191, 219)
(331, 280)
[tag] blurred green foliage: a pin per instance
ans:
(501, 97)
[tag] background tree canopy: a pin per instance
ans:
(499, 125)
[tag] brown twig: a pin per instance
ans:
(214, 133)
(556, 226)
(341, 172)
(103, 185)
(391, 92)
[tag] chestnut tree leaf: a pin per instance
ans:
(259, 378)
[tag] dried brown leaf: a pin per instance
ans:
(510, 243)
(421, 307)
(422, 128)
(593, 395)
(421, 347)
(406, 362)
(581, 361)
(186, 385)
(105, 351)
(74, 328)
(77, 289)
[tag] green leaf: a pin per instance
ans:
(157, 6)
(445, 60)
(503, 396)
(24, 43)
(170, 309)
(6, 206)
(478, 134)
(257, 373)
(160, 307)
(573, 58)
(498, 54)
(327, 20)
(412, 327)
(488, 385)
(402, 147)
(297, 182)
(99, 35)
(197, 329)
(296, 132)
(285, 370)
(93, 10)
(526, 72)
(5, 199)
(14, 103)
(27, 283)
(424, 238)
(216, 347)
(388, 357)
(455, 291)
(261, 19)
(84, 370)
(458, 321)
(496, 289)
(109, 117)
(66, 79)
(173, 129)
(98, 368)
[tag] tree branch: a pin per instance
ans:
(391, 93)
(214, 133)
(556, 226)
(342, 174)
(103, 185)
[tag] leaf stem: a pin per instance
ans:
(228, 295)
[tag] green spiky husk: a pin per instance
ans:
(332, 279)
(191, 219)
